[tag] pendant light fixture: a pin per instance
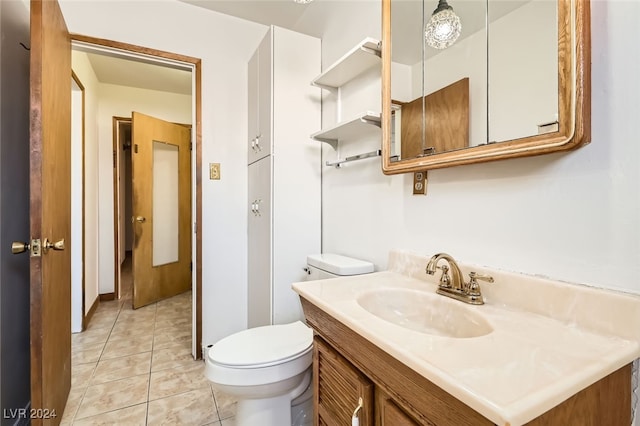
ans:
(444, 27)
(303, 1)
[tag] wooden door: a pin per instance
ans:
(446, 121)
(161, 170)
(389, 414)
(50, 211)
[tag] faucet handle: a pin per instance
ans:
(476, 276)
(445, 279)
(474, 287)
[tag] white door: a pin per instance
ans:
(259, 246)
(260, 101)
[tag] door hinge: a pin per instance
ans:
(191, 266)
(135, 148)
(190, 146)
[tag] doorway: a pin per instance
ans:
(151, 198)
(161, 59)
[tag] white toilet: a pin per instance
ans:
(268, 369)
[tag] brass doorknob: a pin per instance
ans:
(58, 245)
(19, 247)
(139, 219)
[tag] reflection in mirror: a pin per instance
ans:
(522, 79)
(449, 85)
(510, 85)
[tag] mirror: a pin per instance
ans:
(516, 82)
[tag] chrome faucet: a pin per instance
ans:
(455, 286)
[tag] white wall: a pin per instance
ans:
(225, 45)
(573, 217)
(87, 77)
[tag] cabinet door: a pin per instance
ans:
(338, 386)
(265, 96)
(390, 414)
(260, 137)
(252, 113)
(259, 246)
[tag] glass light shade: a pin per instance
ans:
(303, 1)
(443, 29)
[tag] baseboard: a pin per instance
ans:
(89, 314)
(106, 297)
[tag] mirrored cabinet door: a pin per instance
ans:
(469, 81)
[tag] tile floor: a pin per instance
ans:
(135, 367)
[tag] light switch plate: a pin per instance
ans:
(420, 183)
(214, 171)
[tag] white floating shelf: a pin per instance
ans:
(359, 59)
(363, 124)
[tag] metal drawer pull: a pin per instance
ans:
(355, 421)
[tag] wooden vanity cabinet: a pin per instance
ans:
(389, 414)
(347, 366)
(339, 388)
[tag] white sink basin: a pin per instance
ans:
(427, 313)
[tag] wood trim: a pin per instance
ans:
(107, 297)
(116, 121)
(198, 333)
(134, 48)
(92, 310)
(197, 64)
(35, 165)
(115, 147)
(606, 402)
(566, 138)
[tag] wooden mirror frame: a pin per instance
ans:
(574, 102)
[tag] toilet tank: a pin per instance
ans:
(329, 265)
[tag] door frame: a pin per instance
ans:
(117, 153)
(85, 317)
(196, 180)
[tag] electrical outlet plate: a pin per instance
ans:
(214, 171)
(420, 183)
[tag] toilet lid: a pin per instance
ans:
(263, 346)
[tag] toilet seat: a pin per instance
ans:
(261, 355)
(262, 347)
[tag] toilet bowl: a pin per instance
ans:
(264, 368)
(268, 369)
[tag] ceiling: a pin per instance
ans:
(111, 68)
(282, 13)
(141, 73)
(133, 72)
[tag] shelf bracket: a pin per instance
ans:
(337, 164)
(366, 120)
(377, 51)
(332, 142)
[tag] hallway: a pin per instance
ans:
(135, 367)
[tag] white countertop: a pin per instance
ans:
(538, 354)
